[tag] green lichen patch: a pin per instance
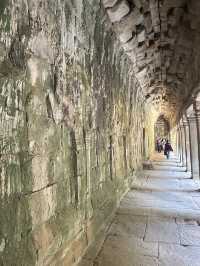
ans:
(3, 4)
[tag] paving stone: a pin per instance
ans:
(158, 199)
(137, 260)
(186, 221)
(197, 200)
(167, 175)
(159, 184)
(169, 196)
(189, 185)
(162, 230)
(163, 211)
(176, 255)
(190, 235)
(129, 225)
(172, 168)
(118, 250)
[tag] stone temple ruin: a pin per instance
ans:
(86, 88)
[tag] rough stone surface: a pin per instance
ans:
(164, 40)
(70, 108)
(81, 86)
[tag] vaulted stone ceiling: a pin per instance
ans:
(162, 38)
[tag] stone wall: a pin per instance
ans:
(70, 129)
(151, 116)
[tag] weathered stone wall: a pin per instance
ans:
(70, 130)
(151, 116)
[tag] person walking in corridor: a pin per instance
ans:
(158, 145)
(167, 149)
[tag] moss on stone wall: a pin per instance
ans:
(74, 121)
(3, 5)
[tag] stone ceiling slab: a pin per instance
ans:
(162, 38)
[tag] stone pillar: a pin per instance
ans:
(180, 151)
(197, 112)
(187, 144)
(183, 144)
(194, 141)
(177, 144)
(173, 140)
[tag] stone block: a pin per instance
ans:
(109, 3)
(141, 36)
(120, 10)
(190, 235)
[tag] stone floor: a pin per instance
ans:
(157, 222)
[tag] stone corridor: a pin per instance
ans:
(88, 89)
(157, 222)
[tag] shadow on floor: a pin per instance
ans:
(156, 224)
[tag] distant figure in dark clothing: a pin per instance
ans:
(158, 145)
(167, 149)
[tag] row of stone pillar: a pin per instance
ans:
(188, 140)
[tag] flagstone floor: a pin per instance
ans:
(157, 222)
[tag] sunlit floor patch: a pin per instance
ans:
(157, 222)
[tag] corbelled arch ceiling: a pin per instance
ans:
(162, 38)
